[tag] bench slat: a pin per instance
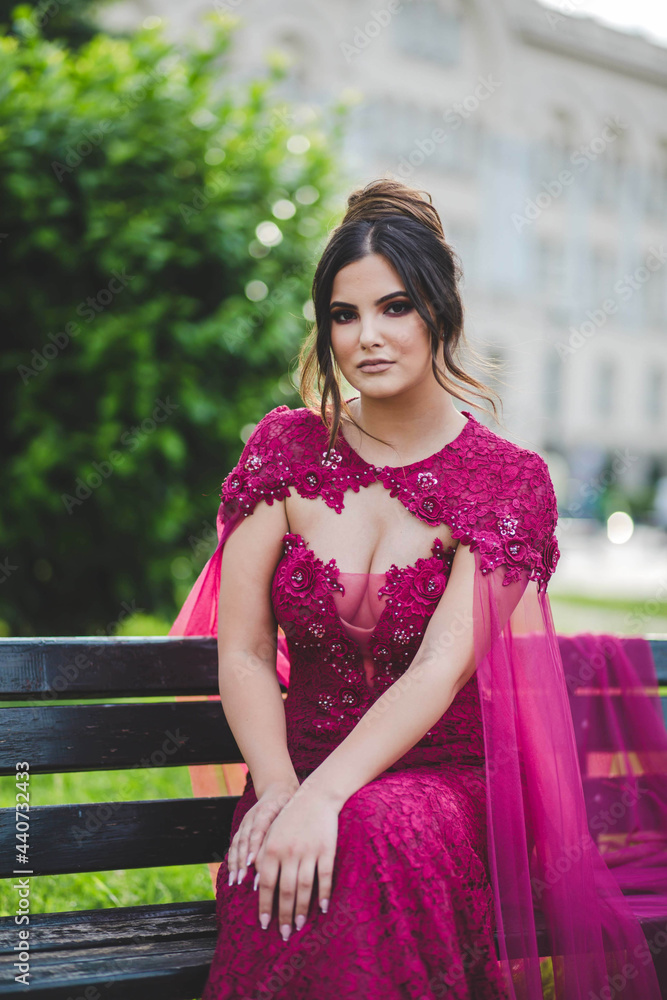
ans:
(596, 711)
(176, 970)
(70, 951)
(65, 738)
(114, 925)
(111, 836)
(107, 666)
(71, 667)
(58, 738)
(659, 650)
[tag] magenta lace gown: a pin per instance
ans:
(459, 831)
(411, 909)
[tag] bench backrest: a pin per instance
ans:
(54, 737)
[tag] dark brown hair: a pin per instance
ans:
(389, 218)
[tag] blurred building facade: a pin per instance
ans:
(542, 137)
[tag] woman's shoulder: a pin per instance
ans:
(271, 455)
(509, 459)
(513, 478)
(281, 426)
(512, 502)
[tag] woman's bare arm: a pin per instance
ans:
(247, 645)
(406, 711)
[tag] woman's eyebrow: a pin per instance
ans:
(379, 301)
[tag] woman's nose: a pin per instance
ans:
(369, 332)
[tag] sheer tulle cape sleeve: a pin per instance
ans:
(544, 865)
(622, 746)
(260, 474)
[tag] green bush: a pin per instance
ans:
(147, 316)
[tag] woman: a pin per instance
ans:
(418, 789)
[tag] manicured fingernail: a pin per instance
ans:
(231, 877)
(286, 930)
(256, 881)
(249, 861)
(264, 920)
(324, 905)
(241, 876)
(300, 921)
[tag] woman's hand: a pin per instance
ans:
(303, 837)
(253, 827)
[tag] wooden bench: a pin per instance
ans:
(124, 953)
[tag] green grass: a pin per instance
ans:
(54, 893)
(573, 613)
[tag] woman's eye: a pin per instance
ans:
(339, 317)
(402, 305)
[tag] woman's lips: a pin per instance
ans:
(380, 367)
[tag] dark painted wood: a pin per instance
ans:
(121, 924)
(659, 650)
(107, 836)
(76, 668)
(59, 738)
(129, 953)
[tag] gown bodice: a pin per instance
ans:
(349, 636)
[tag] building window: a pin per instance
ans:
(547, 159)
(655, 394)
(404, 132)
(604, 389)
(607, 173)
(653, 291)
(553, 385)
(603, 276)
(550, 268)
(655, 183)
(428, 30)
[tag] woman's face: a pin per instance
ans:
(373, 317)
